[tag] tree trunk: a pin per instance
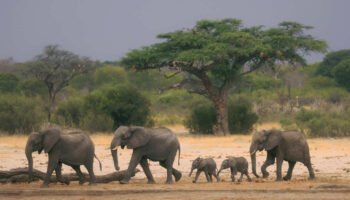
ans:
(20, 175)
(222, 117)
(52, 97)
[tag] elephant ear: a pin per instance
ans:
(139, 137)
(273, 139)
(51, 137)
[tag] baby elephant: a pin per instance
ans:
(208, 165)
(239, 164)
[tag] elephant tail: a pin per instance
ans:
(178, 161)
(99, 162)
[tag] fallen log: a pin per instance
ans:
(20, 175)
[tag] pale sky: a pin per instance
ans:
(107, 29)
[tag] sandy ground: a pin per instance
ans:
(330, 158)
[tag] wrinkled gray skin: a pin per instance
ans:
(71, 149)
(206, 165)
(236, 164)
(290, 146)
(157, 144)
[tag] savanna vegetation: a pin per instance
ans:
(218, 77)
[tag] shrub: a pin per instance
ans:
(203, 118)
(19, 114)
(241, 119)
(96, 122)
(32, 88)
(110, 75)
(342, 74)
(69, 112)
(8, 82)
(124, 104)
(319, 124)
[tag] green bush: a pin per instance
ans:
(8, 82)
(110, 75)
(240, 117)
(33, 88)
(19, 114)
(342, 74)
(124, 104)
(97, 122)
(319, 124)
(69, 112)
(203, 118)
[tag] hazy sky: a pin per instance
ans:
(107, 29)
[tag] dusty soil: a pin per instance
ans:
(330, 158)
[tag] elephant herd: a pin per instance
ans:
(162, 145)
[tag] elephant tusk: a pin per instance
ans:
(115, 148)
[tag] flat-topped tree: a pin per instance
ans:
(214, 55)
(56, 68)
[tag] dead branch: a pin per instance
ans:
(20, 175)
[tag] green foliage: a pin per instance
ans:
(202, 118)
(319, 124)
(82, 81)
(70, 112)
(331, 60)
(33, 88)
(97, 122)
(320, 82)
(8, 83)
(125, 105)
(19, 114)
(342, 73)
(110, 75)
(241, 119)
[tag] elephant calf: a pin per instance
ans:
(235, 164)
(206, 165)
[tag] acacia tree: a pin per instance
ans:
(214, 55)
(56, 68)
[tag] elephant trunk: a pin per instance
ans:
(253, 158)
(115, 159)
(114, 145)
(28, 152)
(219, 171)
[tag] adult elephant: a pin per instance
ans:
(158, 144)
(71, 149)
(290, 146)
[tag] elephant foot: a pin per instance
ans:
(239, 180)
(266, 174)
(286, 178)
(81, 182)
(44, 185)
(169, 182)
(124, 181)
(92, 183)
(151, 182)
(194, 181)
(178, 177)
(279, 179)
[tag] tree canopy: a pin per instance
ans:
(213, 55)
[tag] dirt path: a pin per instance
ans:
(330, 158)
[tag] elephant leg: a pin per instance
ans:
(246, 173)
(216, 176)
(232, 174)
(59, 177)
(311, 170)
(134, 161)
(53, 160)
(211, 177)
(197, 175)
(240, 178)
(270, 160)
(89, 166)
(279, 168)
(79, 173)
(207, 175)
(290, 171)
(177, 174)
(145, 167)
